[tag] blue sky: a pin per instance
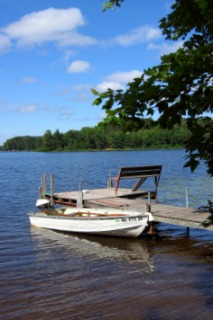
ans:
(52, 52)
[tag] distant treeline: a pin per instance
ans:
(100, 138)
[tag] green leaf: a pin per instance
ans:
(95, 92)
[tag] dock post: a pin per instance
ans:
(109, 183)
(187, 231)
(80, 196)
(80, 186)
(43, 185)
(187, 197)
(52, 190)
(40, 192)
(80, 199)
(149, 198)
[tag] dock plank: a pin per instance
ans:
(105, 197)
(187, 217)
(91, 194)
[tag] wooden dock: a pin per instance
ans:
(125, 198)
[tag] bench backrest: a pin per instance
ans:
(140, 172)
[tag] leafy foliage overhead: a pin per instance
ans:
(180, 86)
(111, 4)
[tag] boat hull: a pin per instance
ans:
(121, 225)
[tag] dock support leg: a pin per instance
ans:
(187, 197)
(43, 185)
(109, 183)
(80, 196)
(187, 231)
(149, 198)
(150, 231)
(40, 192)
(52, 190)
(80, 199)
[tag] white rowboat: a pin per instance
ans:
(96, 221)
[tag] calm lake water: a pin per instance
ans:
(50, 275)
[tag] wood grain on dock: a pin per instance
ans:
(105, 197)
(181, 216)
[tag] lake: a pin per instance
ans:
(50, 275)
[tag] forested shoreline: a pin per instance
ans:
(100, 138)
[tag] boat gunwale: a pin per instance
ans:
(88, 218)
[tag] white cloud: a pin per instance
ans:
(5, 43)
(165, 48)
(103, 86)
(29, 80)
(50, 25)
(73, 38)
(67, 55)
(72, 90)
(118, 80)
(65, 113)
(124, 77)
(28, 108)
(83, 96)
(138, 35)
(78, 66)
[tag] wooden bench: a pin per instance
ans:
(141, 174)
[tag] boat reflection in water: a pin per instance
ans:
(132, 251)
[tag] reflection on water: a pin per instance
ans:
(62, 276)
(124, 250)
